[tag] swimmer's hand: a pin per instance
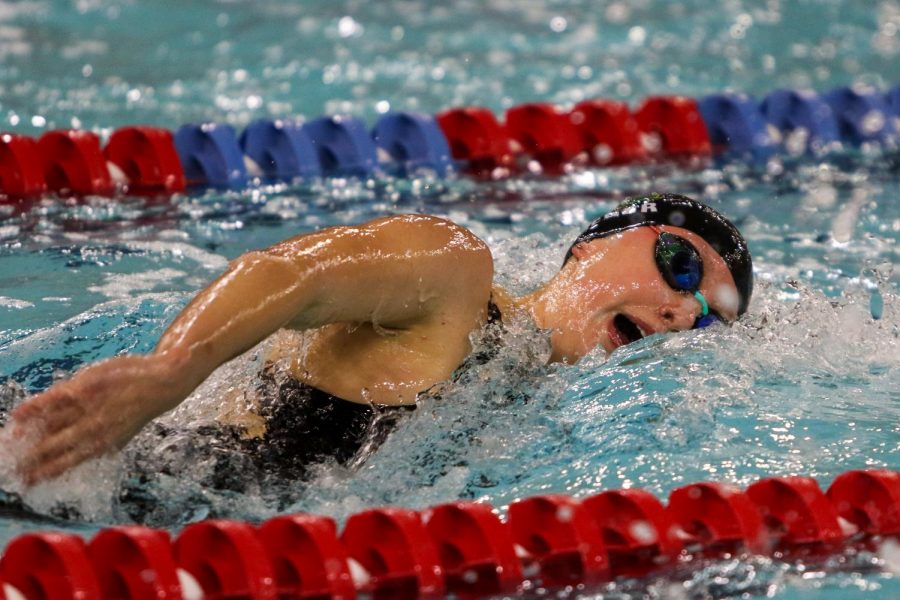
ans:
(94, 413)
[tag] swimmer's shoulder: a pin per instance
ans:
(402, 235)
(466, 264)
(425, 228)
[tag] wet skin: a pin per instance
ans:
(389, 307)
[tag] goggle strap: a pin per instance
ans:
(703, 303)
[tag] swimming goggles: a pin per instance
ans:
(682, 268)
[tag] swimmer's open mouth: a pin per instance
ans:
(627, 329)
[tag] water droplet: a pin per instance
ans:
(558, 24)
(643, 532)
(796, 141)
(637, 34)
(603, 154)
(348, 26)
(652, 142)
(873, 122)
(618, 12)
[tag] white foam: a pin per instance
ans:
(125, 285)
(8, 232)
(7, 302)
(89, 488)
(206, 259)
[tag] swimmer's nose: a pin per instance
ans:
(681, 314)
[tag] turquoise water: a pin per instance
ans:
(806, 383)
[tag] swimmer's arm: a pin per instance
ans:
(412, 273)
(398, 272)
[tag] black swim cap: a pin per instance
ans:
(680, 211)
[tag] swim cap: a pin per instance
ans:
(680, 211)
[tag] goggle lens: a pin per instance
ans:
(679, 262)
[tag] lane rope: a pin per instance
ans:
(548, 542)
(533, 138)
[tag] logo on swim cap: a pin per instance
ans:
(644, 206)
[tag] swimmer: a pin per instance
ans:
(388, 307)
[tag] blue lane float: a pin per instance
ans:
(790, 111)
(282, 149)
(210, 155)
(413, 141)
(343, 145)
(736, 126)
(863, 115)
(892, 97)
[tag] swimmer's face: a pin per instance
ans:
(613, 293)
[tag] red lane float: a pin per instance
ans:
(393, 546)
(562, 541)
(49, 565)
(21, 175)
(718, 519)
(673, 126)
(609, 132)
(796, 512)
(227, 559)
(74, 163)
(545, 134)
(475, 137)
(552, 542)
(148, 158)
(639, 534)
(870, 500)
(135, 563)
(308, 557)
(476, 549)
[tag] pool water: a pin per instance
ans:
(806, 383)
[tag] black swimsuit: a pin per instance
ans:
(305, 425)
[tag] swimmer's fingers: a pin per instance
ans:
(46, 413)
(98, 410)
(57, 429)
(61, 451)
